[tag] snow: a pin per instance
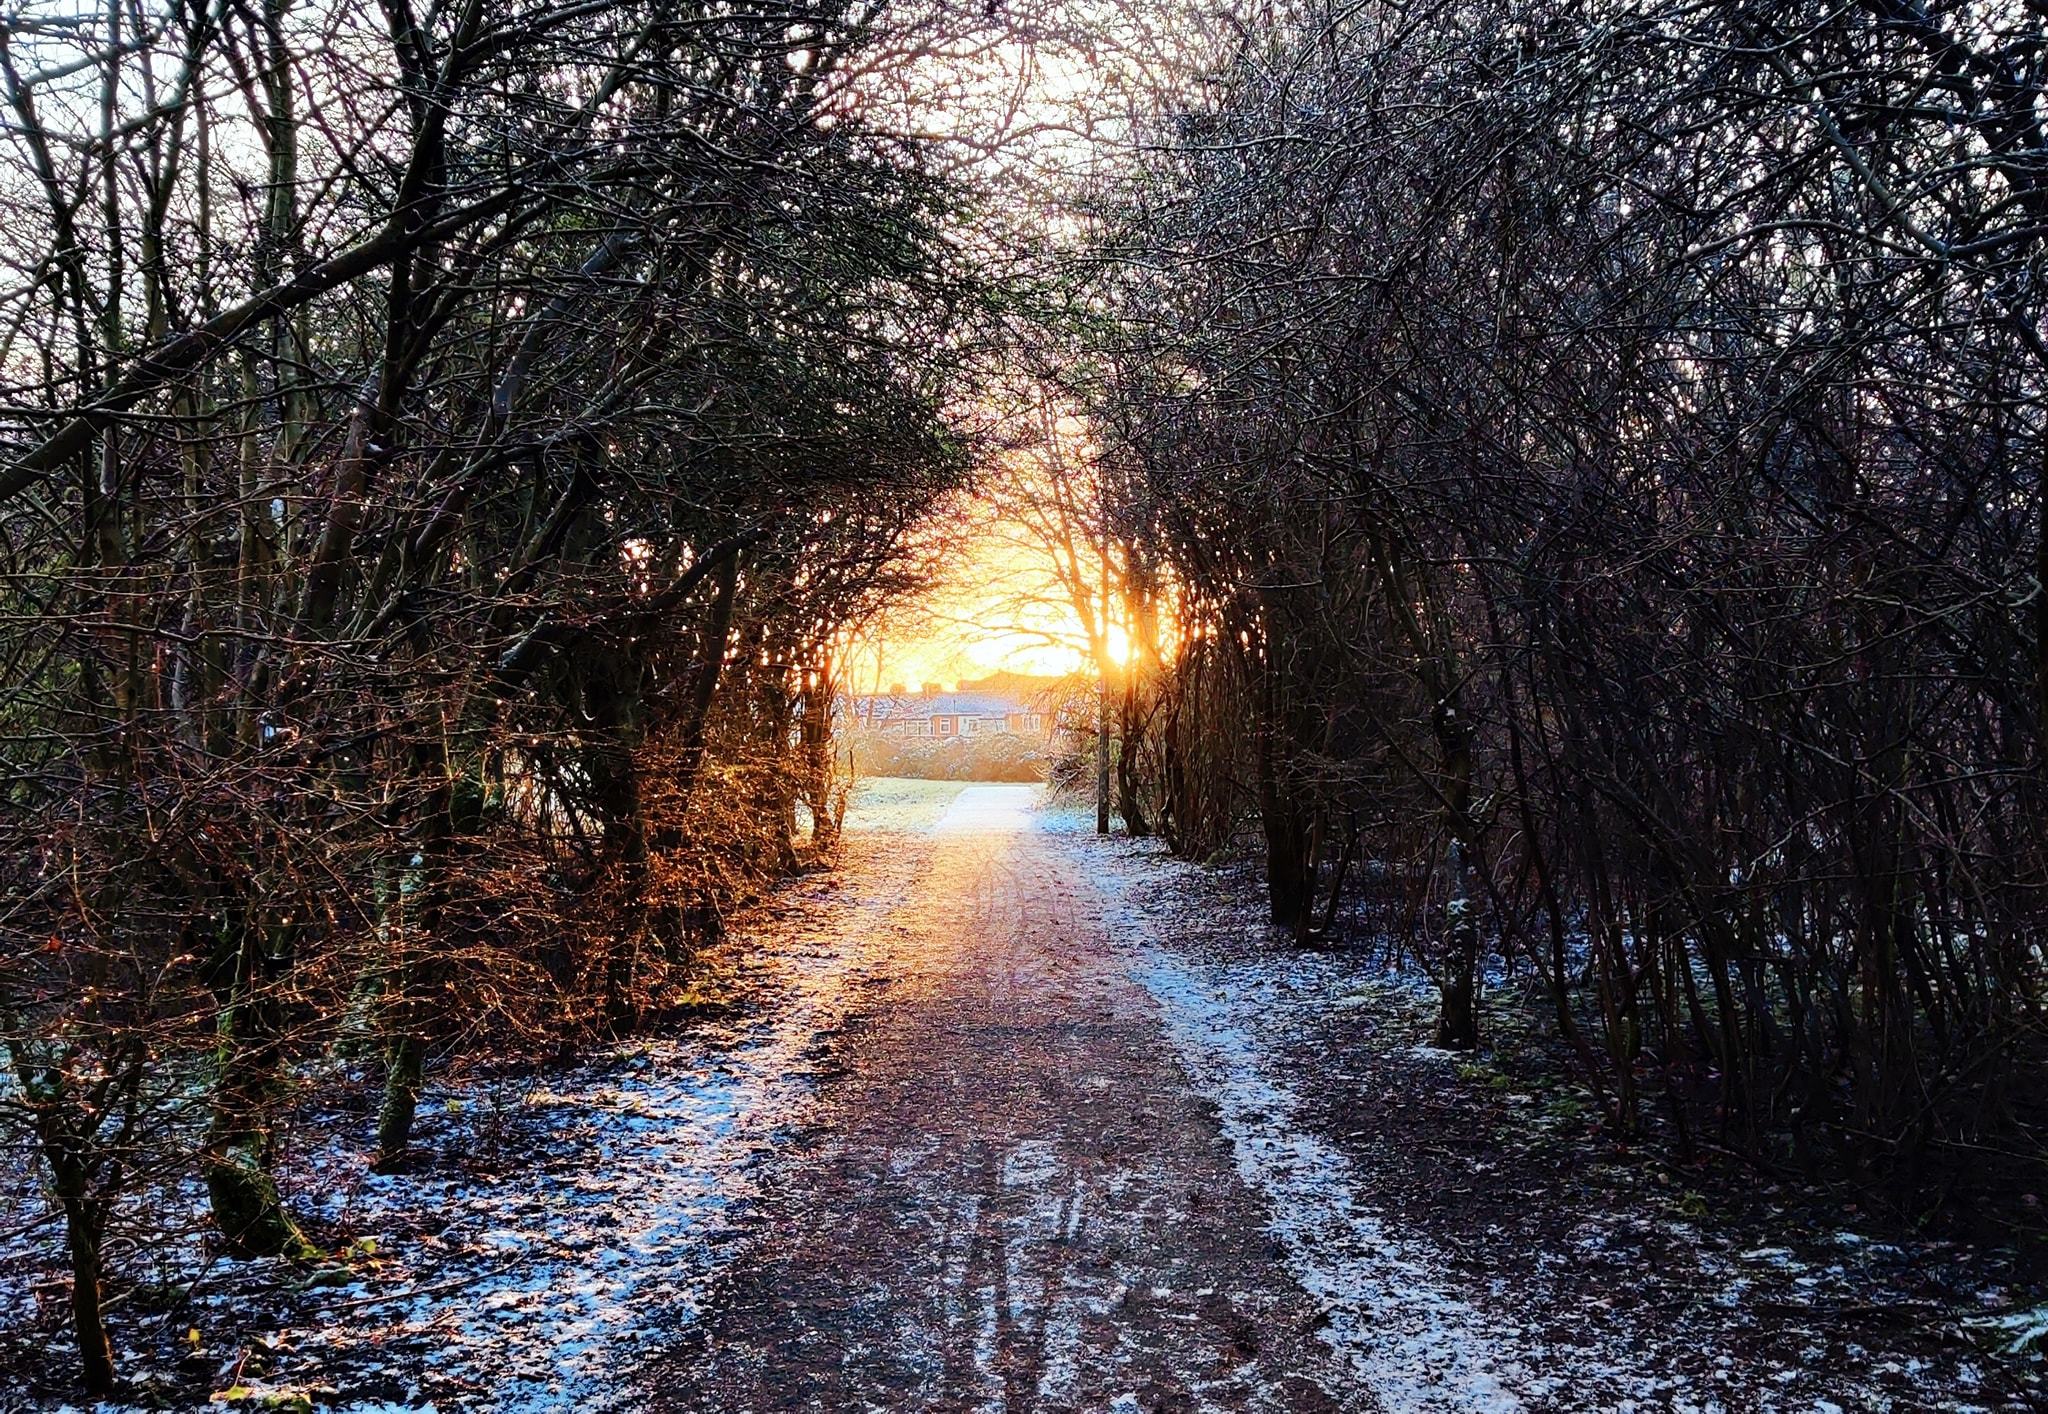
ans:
(586, 1264)
(2018, 1333)
(1243, 1010)
(594, 1261)
(548, 1281)
(1414, 1345)
(990, 810)
(548, 1285)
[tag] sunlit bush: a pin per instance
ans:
(987, 758)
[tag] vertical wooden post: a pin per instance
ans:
(1102, 696)
(1102, 756)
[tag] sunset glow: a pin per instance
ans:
(995, 608)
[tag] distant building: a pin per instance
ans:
(967, 713)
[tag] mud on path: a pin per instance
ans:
(1012, 1198)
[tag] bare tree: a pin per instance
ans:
(1605, 451)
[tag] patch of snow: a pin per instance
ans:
(989, 810)
(548, 1285)
(1243, 1011)
(1416, 1346)
(607, 1255)
(1030, 1164)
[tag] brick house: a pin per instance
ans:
(944, 715)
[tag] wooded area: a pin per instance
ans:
(1598, 450)
(445, 446)
(1570, 473)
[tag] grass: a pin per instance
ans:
(900, 803)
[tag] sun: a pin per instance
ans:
(1117, 644)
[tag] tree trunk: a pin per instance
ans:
(1289, 877)
(405, 1063)
(239, 1187)
(816, 758)
(1457, 1026)
(415, 966)
(1290, 865)
(1128, 803)
(84, 1225)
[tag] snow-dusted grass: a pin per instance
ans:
(899, 803)
(1415, 1345)
(1393, 1307)
(573, 1221)
(584, 1263)
(989, 809)
(1243, 1010)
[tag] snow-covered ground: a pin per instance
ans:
(583, 1263)
(1412, 1343)
(1251, 1017)
(1007, 1163)
(539, 1282)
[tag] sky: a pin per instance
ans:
(993, 609)
(1031, 101)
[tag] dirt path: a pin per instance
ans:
(994, 1116)
(1013, 1197)
(1092, 1140)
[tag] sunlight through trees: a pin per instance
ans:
(1559, 485)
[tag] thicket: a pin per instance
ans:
(442, 448)
(1594, 455)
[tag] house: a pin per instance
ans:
(942, 715)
